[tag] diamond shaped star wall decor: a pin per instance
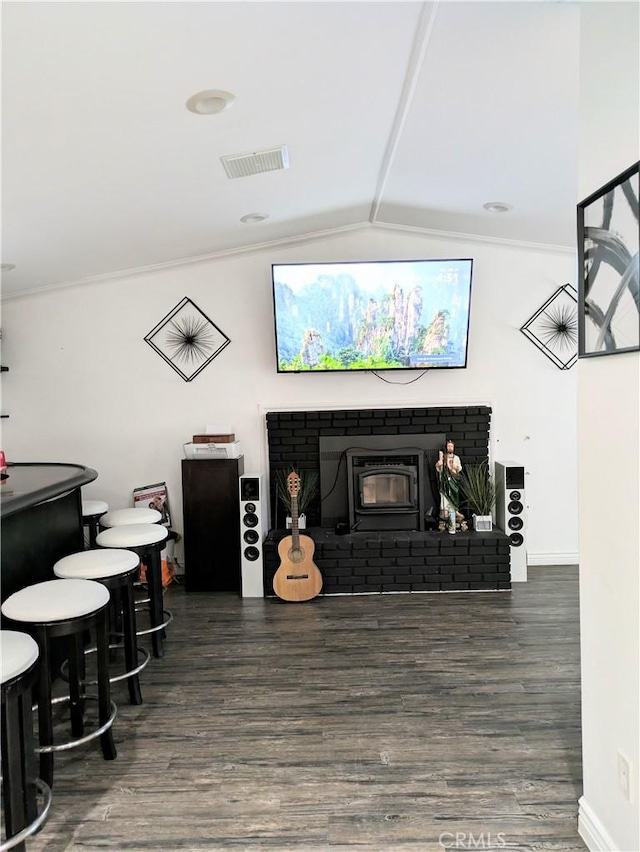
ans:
(187, 339)
(554, 327)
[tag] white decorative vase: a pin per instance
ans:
(482, 523)
(302, 522)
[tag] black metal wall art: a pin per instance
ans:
(187, 339)
(554, 327)
(609, 285)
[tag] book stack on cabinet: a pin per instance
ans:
(214, 439)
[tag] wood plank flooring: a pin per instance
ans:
(382, 723)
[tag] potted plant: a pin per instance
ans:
(309, 483)
(478, 487)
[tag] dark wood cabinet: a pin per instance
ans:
(211, 507)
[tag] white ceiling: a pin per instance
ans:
(406, 114)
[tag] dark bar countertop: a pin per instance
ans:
(30, 483)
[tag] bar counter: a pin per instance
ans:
(41, 517)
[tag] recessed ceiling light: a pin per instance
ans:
(497, 207)
(210, 102)
(7, 267)
(254, 217)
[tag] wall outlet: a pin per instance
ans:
(624, 776)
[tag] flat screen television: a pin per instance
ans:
(377, 315)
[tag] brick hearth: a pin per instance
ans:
(402, 562)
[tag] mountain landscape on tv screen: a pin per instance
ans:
(333, 323)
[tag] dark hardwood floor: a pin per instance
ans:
(385, 722)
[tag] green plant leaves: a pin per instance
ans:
(309, 484)
(477, 486)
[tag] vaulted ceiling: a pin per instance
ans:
(410, 115)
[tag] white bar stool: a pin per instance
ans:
(120, 517)
(92, 511)
(136, 515)
(67, 608)
(148, 541)
(20, 785)
(116, 570)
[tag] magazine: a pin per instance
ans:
(153, 497)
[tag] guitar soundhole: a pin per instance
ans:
(296, 556)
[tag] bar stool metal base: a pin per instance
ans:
(86, 738)
(142, 652)
(168, 618)
(29, 830)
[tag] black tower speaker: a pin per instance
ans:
(253, 513)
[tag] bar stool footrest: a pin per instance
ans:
(168, 619)
(142, 652)
(92, 735)
(32, 828)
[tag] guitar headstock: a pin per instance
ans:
(293, 484)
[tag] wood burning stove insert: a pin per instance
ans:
(379, 482)
(383, 490)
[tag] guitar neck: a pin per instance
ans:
(295, 531)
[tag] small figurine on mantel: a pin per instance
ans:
(448, 468)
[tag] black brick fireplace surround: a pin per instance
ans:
(387, 561)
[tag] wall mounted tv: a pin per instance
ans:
(378, 315)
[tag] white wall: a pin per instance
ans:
(608, 451)
(84, 387)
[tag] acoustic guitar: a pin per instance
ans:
(298, 577)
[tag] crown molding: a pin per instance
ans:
(477, 238)
(298, 239)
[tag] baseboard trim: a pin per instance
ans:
(552, 558)
(592, 831)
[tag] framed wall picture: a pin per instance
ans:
(609, 283)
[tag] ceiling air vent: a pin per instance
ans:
(243, 165)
